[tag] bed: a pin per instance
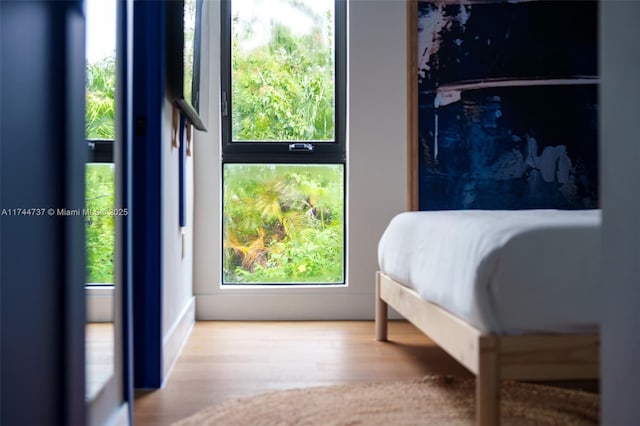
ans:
(509, 294)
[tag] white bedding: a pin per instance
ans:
(507, 272)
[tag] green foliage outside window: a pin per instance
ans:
(100, 199)
(101, 88)
(99, 178)
(283, 223)
(283, 89)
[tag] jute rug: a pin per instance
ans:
(430, 401)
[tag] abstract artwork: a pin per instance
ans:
(508, 105)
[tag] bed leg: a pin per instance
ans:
(381, 313)
(488, 384)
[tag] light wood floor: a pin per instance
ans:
(99, 356)
(226, 360)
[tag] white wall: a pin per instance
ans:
(177, 249)
(620, 158)
(376, 177)
(206, 246)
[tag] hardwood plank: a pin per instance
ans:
(99, 353)
(225, 360)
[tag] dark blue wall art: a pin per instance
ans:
(508, 105)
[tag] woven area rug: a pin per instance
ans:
(430, 401)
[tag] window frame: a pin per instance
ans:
(100, 150)
(284, 151)
(287, 284)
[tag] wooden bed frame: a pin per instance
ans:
(490, 357)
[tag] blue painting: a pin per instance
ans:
(508, 105)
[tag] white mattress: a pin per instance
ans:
(507, 272)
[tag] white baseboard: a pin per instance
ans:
(287, 307)
(100, 303)
(121, 417)
(107, 407)
(176, 337)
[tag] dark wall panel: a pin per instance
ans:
(42, 167)
(508, 105)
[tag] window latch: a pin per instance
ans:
(224, 105)
(307, 147)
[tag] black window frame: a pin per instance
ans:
(100, 150)
(286, 151)
(344, 227)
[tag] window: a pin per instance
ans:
(100, 197)
(100, 134)
(283, 141)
